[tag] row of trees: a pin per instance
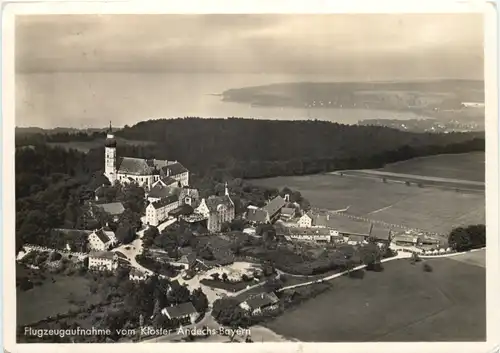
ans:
(467, 238)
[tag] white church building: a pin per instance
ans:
(145, 172)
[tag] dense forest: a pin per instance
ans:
(246, 148)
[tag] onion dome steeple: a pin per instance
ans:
(110, 138)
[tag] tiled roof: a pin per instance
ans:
(169, 181)
(380, 233)
(356, 238)
(321, 220)
(160, 163)
(214, 201)
(182, 210)
(165, 201)
(174, 169)
(261, 300)
(288, 211)
(103, 255)
(160, 191)
(102, 236)
(180, 310)
(135, 166)
(114, 208)
(274, 205)
(256, 215)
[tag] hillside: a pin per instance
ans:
(432, 98)
(261, 148)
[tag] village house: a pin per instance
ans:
(189, 196)
(305, 221)
(309, 219)
(184, 311)
(103, 261)
(356, 239)
(405, 240)
(102, 240)
(158, 211)
(137, 275)
(114, 209)
(273, 208)
(257, 304)
(159, 192)
(381, 236)
(255, 216)
(217, 210)
(144, 172)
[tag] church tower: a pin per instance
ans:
(110, 156)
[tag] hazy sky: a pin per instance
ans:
(440, 45)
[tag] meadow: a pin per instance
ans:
(401, 303)
(466, 166)
(52, 298)
(431, 209)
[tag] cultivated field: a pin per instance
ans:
(402, 303)
(477, 258)
(427, 208)
(466, 166)
(430, 209)
(49, 299)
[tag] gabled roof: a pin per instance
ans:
(168, 181)
(261, 300)
(182, 210)
(321, 220)
(113, 208)
(165, 201)
(102, 236)
(380, 233)
(103, 255)
(160, 191)
(288, 211)
(213, 202)
(356, 238)
(274, 205)
(135, 166)
(256, 215)
(189, 192)
(180, 310)
(174, 169)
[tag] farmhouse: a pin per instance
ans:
(158, 211)
(259, 303)
(184, 311)
(102, 240)
(114, 209)
(144, 172)
(256, 216)
(356, 239)
(405, 240)
(273, 208)
(217, 210)
(380, 235)
(103, 260)
(305, 221)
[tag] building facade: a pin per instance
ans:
(217, 210)
(144, 172)
(101, 240)
(103, 261)
(158, 211)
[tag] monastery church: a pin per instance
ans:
(145, 172)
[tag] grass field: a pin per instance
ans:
(431, 209)
(51, 299)
(476, 258)
(402, 303)
(467, 166)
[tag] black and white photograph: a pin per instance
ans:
(250, 178)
